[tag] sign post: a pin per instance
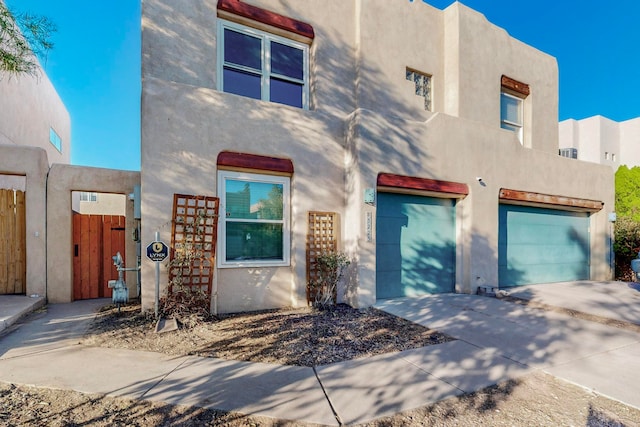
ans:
(157, 251)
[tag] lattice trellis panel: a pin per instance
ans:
(322, 236)
(193, 241)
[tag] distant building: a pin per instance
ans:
(598, 139)
(34, 115)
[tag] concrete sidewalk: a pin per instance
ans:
(599, 357)
(45, 352)
(14, 307)
(496, 340)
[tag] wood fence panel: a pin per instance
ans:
(77, 264)
(4, 241)
(21, 243)
(12, 242)
(96, 238)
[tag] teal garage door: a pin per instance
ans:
(538, 245)
(415, 245)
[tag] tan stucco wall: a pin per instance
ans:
(106, 204)
(62, 181)
(30, 107)
(31, 163)
(364, 119)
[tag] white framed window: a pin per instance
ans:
(260, 65)
(55, 139)
(613, 157)
(86, 196)
(511, 113)
(254, 224)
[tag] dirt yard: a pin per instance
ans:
(301, 337)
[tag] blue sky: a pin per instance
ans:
(95, 65)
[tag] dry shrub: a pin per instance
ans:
(190, 307)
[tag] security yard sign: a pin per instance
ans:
(157, 251)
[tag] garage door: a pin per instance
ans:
(415, 245)
(542, 246)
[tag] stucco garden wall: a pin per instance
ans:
(62, 181)
(31, 163)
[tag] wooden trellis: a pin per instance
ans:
(194, 233)
(322, 236)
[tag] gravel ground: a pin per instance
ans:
(301, 337)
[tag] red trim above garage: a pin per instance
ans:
(548, 200)
(263, 16)
(231, 159)
(421, 184)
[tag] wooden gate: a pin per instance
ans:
(96, 238)
(13, 242)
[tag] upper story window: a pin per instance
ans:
(512, 96)
(261, 65)
(511, 114)
(55, 139)
(422, 83)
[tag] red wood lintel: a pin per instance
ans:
(550, 200)
(253, 161)
(515, 86)
(421, 184)
(254, 13)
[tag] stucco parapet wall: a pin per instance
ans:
(20, 160)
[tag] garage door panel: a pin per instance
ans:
(539, 245)
(415, 246)
(519, 274)
(545, 234)
(545, 254)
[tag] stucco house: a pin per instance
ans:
(601, 140)
(429, 137)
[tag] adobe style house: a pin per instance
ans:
(430, 135)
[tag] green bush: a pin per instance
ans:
(330, 268)
(626, 246)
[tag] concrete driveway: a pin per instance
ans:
(603, 358)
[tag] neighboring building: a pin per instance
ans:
(598, 139)
(94, 203)
(34, 115)
(432, 134)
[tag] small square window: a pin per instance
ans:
(55, 139)
(422, 84)
(264, 66)
(254, 225)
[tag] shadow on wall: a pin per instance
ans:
(185, 127)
